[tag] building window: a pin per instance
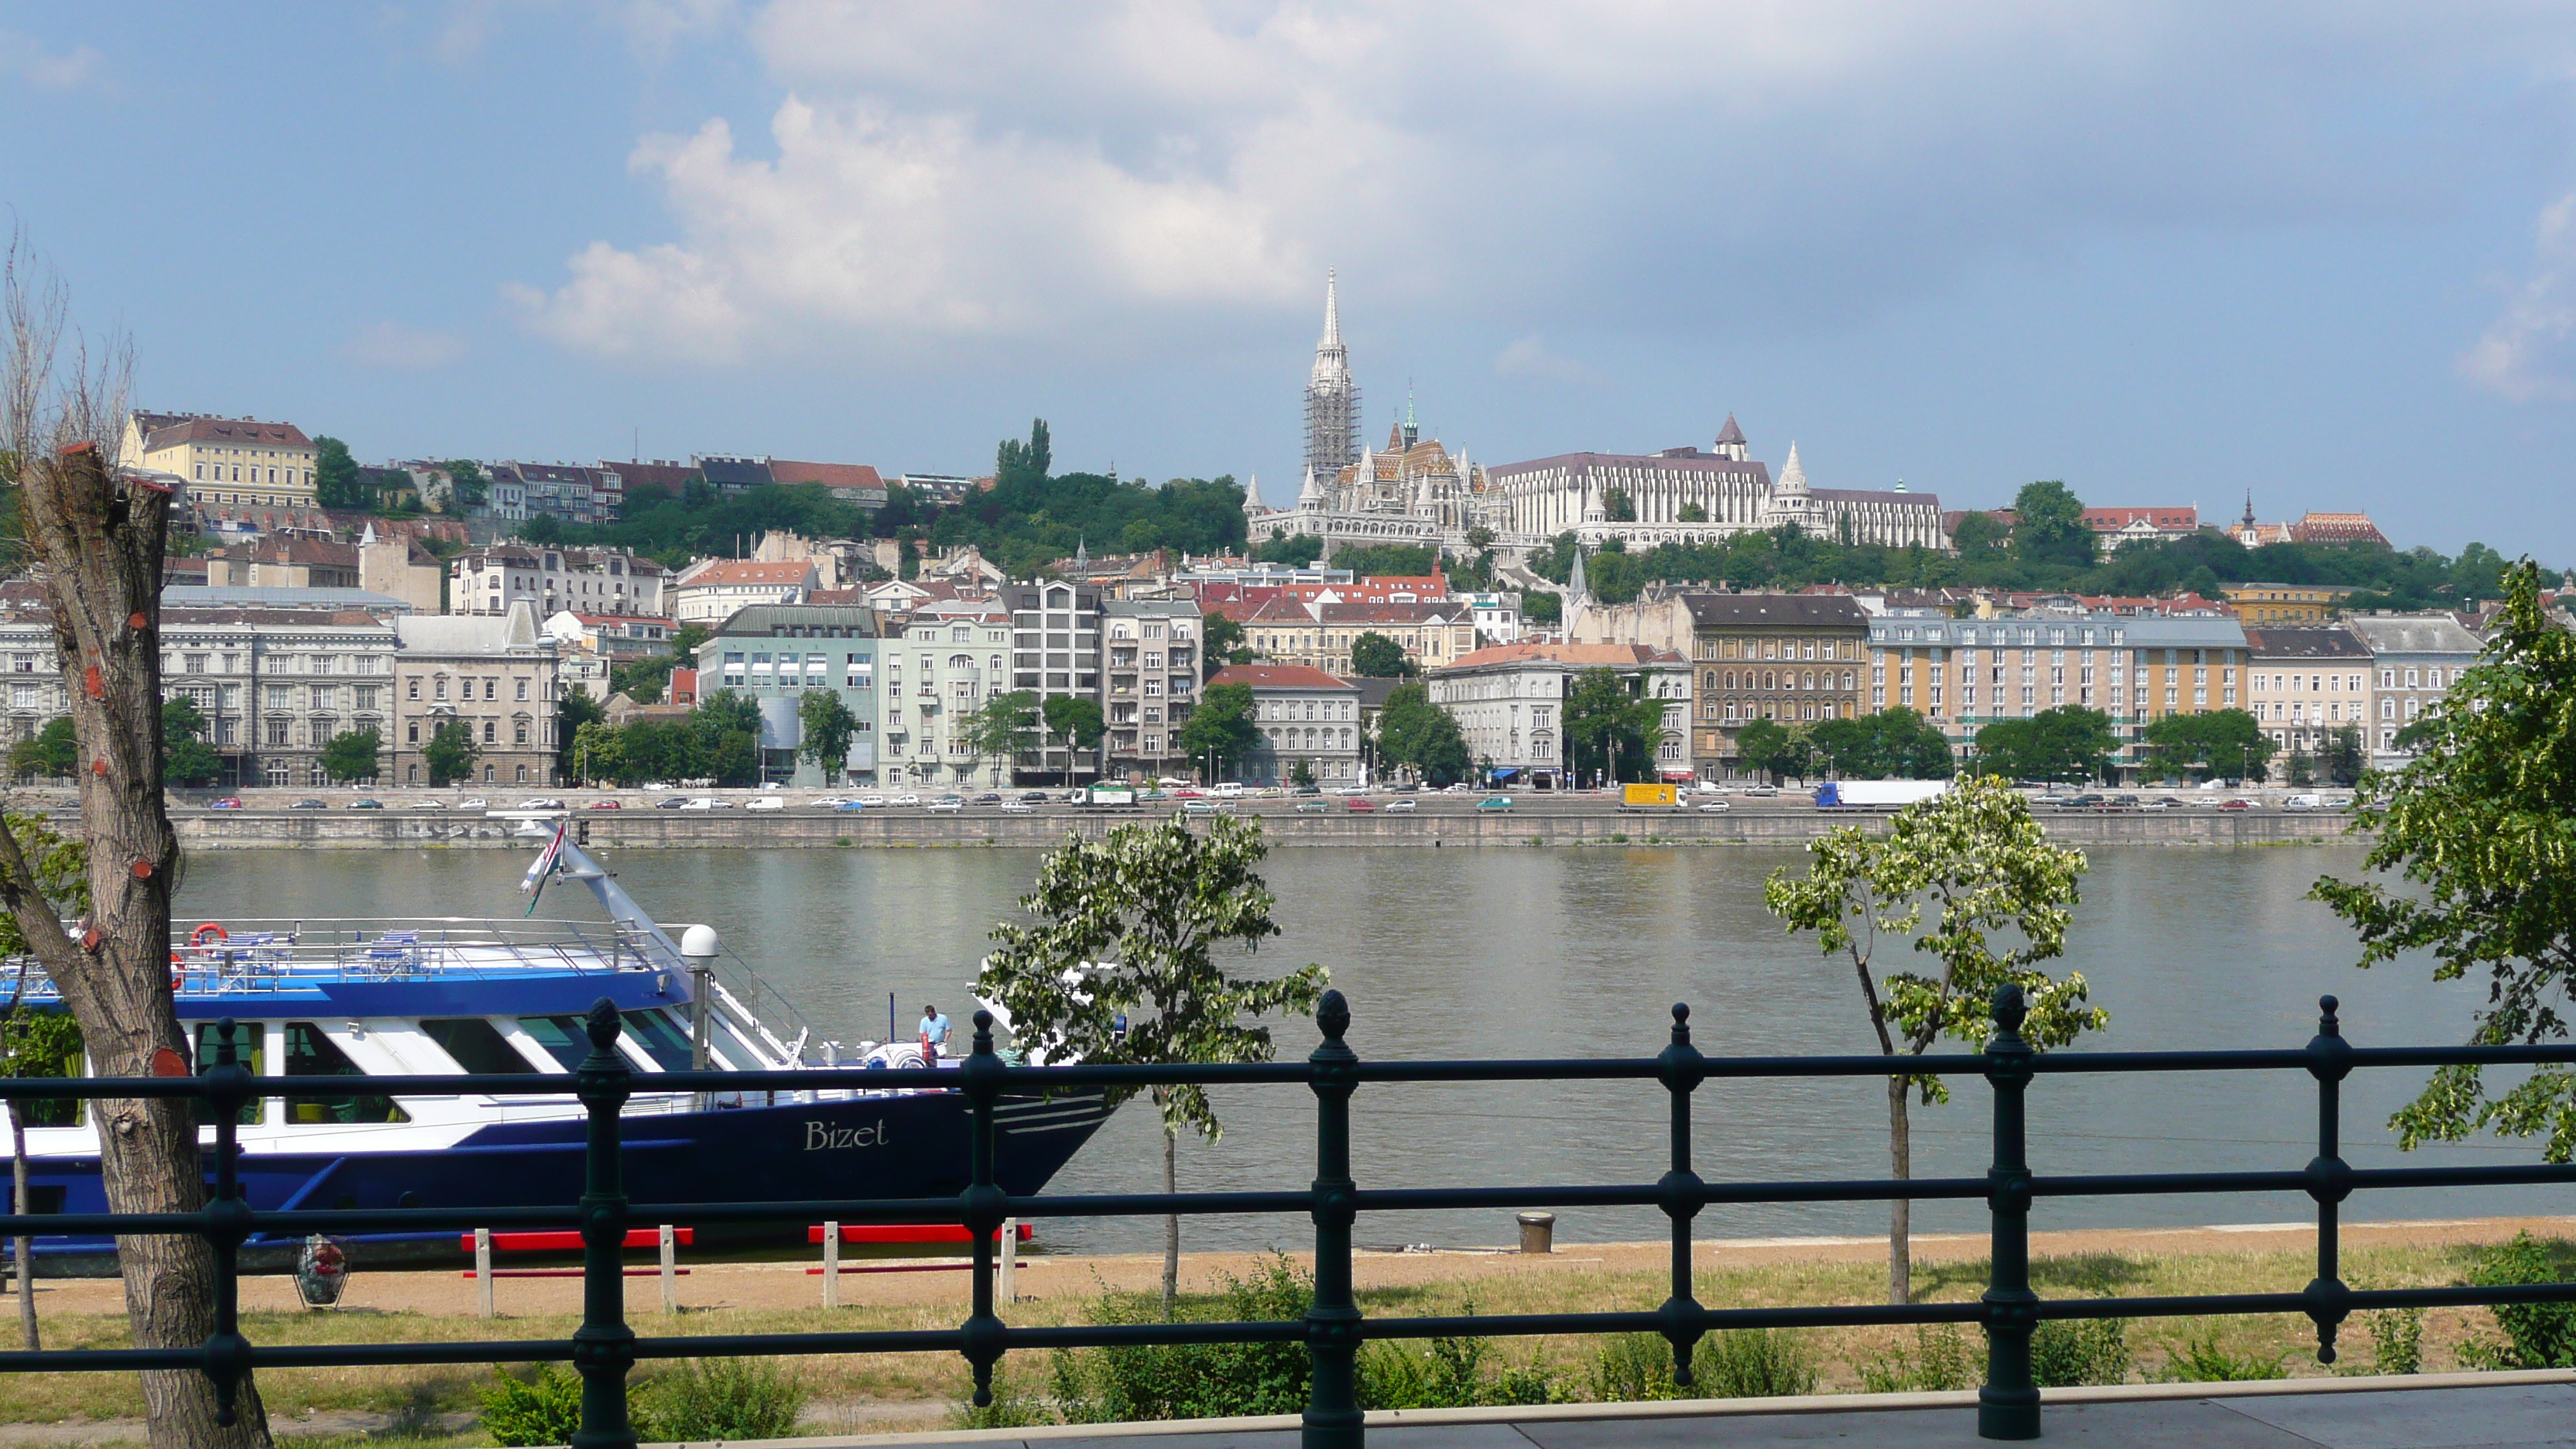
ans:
(489, 733)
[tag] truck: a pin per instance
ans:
(1876, 794)
(1106, 794)
(1648, 797)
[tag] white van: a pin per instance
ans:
(2304, 802)
(1230, 790)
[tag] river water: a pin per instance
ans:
(1576, 953)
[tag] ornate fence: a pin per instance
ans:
(604, 1348)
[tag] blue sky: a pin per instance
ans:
(2168, 253)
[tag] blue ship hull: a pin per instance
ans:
(894, 1146)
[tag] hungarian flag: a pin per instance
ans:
(542, 869)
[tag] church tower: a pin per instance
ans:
(1730, 442)
(1790, 500)
(1332, 399)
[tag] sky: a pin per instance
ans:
(2169, 253)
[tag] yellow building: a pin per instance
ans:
(226, 461)
(2287, 603)
(1320, 635)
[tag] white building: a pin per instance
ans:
(710, 590)
(2415, 659)
(944, 664)
(496, 675)
(1685, 495)
(586, 580)
(1509, 701)
(1307, 717)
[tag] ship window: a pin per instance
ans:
(662, 1039)
(561, 1036)
(311, 1053)
(249, 1045)
(476, 1045)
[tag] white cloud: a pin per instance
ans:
(27, 59)
(979, 171)
(2523, 355)
(394, 347)
(1529, 358)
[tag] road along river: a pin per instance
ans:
(1574, 953)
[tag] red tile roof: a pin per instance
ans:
(836, 475)
(1279, 676)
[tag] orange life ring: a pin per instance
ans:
(206, 929)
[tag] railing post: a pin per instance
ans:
(832, 1265)
(603, 1348)
(228, 1084)
(1333, 1419)
(1682, 1072)
(983, 1206)
(483, 1270)
(2329, 1178)
(2008, 1404)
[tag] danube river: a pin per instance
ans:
(1573, 953)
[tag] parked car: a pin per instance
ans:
(948, 805)
(1399, 805)
(851, 805)
(228, 802)
(829, 802)
(429, 804)
(1312, 807)
(906, 800)
(308, 805)
(1310, 790)
(366, 804)
(2239, 803)
(604, 805)
(476, 803)
(2161, 802)
(768, 802)
(1018, 807)
(675, 802)
(1189, 792)
(1359, 802)
(1713, 807)
(1198, 807)
(989, 797)
(1034, 797)
(541, 804)
(1407, 788)
(657, 784)
(2303, 802)
(1457, 787)
(1495, 802)
(1762, 792)
(2124, 802)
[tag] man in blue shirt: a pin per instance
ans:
(934, 1032)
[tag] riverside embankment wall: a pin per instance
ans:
(673, 830)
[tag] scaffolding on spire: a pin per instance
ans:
(1332, 399)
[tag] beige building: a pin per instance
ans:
(1509, 701)
(280, 561)
(710, 590)
(400, 567)
(495, 674)
(586, 580)
(2415, 659)
(1307, 717)
(1149, 681)
(227, 462)
(2256, 603)
(1319, 633)
(2306, 683)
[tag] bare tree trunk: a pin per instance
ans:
(1171, 1222)
(26, 1246)
(1900, 1212)
(100, 535)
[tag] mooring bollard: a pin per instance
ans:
(831, 1265)
(670, 1270)
(483, 1270)
(1538, 1232)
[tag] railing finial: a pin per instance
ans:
(1681, 1023)
(2009, 1010)
(983, 1032)
(2327, 1023)
(1333, 1014)
(603, 1024)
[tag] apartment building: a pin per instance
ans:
(1963, 674)
(708, 591)
(1055, 650)
(493, 579)
(2306, 683)
(1509, 701)
(2415, 659)
(947, 661)
(496, 675)
(776, 654)
(1319, 633)
(1149, 681)
(1309, 721)
(2255, 603)
(227, 462)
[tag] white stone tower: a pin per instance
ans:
(1332, 399)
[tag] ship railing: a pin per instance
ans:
(1332, 1330)
(264, 955)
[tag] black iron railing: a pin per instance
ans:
(604, 1348)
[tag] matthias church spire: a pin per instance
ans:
(1332, 399)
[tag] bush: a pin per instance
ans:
(542, 1408)
(2538, 1335)
(1192, 1381)
(718, 1398)
(2067, 1352)
(1447, 1373)
(1941, 1361)
(2202, 1359)
(2397, 1341)
(1750, 1363)
(1010, 1409)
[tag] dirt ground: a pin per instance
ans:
(1043, 1276)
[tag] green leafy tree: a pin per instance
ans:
(828, 728)
(1383, 560)
(599, 753)
(52, 755)
(1413, 732)
(1949, 873)
(2069, 743)
(469, 482)
(1006, 727)
(1610, 732)
(35, 1043)
(1075, 719)
(2345, 759)
(1302, 773)
(2301, 769)
(1162, 902)
(186, 759)
(2214, 742)
(1375, 656)
(1224, 643)
(1759, 745)
(335, 474)
(353, 755)
(574, 710)
(2481, 828)
(1978, 536)
(1019, 466)
(1296, 550)
(451, 753)
(725, 739)
(1617, 507)
(1690, 513)
(1893, 743)
(2051, 529)
(1538, 606)
(1222, 728)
